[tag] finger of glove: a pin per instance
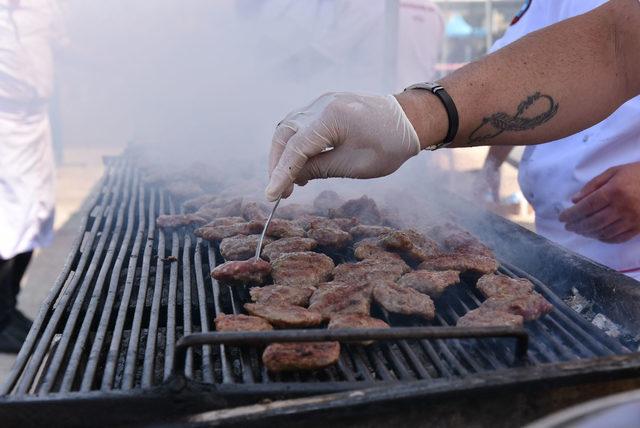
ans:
(324, 165)
(283, 133)
(300, 147)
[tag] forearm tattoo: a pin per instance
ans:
(499, 122)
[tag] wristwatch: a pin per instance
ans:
(450, 107)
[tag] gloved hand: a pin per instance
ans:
(370, 136)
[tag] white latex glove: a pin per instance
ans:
(370, 136)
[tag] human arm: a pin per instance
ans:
(564, 78)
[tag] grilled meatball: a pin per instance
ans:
(241, 322)
(363, 231)
(411, 244)
(334, 298)
(284, 315)
(282, 294)
(530, 306)
(194, 204)
(228, 209)
(364, 209)
(355, 321)
(184, 189)
(302, 268)
(168, 221)
(492, 285)
(293, 211)
(225, 221)
(254, 211)
(330, 237)
(432, 283)
(281, 357)
(327, 200)
(370, 271)
(247, 271)
(279, 228)
(483, 317)
(402, 300)
(460, 262)
(240, 247)
(287, 245)
(370, 248)
(218, 233)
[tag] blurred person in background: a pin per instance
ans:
(562, 179)
(28, 31)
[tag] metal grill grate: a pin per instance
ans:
(129, 291)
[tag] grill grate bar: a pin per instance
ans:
(227, 376)
(96, 349)
(85, 329)
(416, 364)
(207, 370)
(113, 353)
(154, 316)
(60, 306)
(247, 371)
(51, 374)
(172, 298)
(186, 299)
(459, 349)
(134, 339)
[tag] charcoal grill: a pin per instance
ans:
(125, 336)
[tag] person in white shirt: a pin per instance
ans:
(552, 175)
(28, 28)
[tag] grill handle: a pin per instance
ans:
(346, 335)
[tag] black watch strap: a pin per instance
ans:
(450, 107)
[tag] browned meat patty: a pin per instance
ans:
(363, 231)
(302, 268)
(247, 271)
(168, 221)
(456, 239)
(363, 209)
(460, 262)
(327, 200)
(218, 233)
(287, 245)
(254, 211)
(279, 228)
(330, 237)
(231, 208)
(293, 211)
(492, 285)
(284, 316)
(530, 306)
(225, 221)
(411, 244)
(241, 322)
(370, 248)
(370, 271)
(334, 298)
(241, 247)
(282, 294)
(194, 204)
(184, 189)
(354, 321)
(282, 357)
(483, 317)
(428, 282)
(402, 300)
(315, 222)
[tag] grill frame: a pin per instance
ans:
(178, 389)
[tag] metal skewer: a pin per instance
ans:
(266, 226)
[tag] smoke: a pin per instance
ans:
(207, 81)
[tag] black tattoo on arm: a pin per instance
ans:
(500, 122)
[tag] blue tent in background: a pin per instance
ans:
(458, 27)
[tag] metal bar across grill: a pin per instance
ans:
(130, 292)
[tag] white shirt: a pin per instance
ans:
(26, 159)
(551, 173)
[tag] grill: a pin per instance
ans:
(129, 322)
